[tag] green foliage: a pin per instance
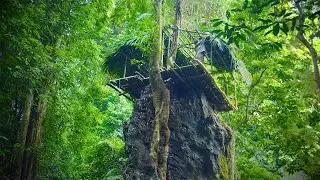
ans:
(62, 41)
(132, 20)
(83, 129)
(82, 112)
(251, 169)
(86, 140)
(66, 43)
(280, 130)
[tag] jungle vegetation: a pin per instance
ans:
(59, 119)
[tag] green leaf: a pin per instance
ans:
(265, 21)
(2, 137)
(142, 16)
(226, 28)
(277, 45)
(275, 3)
(230, 40)
(276, 29)
(242, 37)
(283, 12)
(287, 15)
(228, 14)
(229, 32)
(261, 28)
(236, 10)
(293, 23)
(236, 41)
(273, 14)
(216, 31)
(268, 32)
(245, 4)
(217, 23)
(285, 28)
(215, 20)
(248, 31)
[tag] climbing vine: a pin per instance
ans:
(161, 99)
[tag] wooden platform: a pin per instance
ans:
(188, 78)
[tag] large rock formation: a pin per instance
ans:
(197, 138)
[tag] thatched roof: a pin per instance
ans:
(127, 60)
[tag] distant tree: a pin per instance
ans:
(274, 125)
(301, 17)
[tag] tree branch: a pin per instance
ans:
(301, 17)
(253, 85)
(308, 45)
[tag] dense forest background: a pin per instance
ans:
(59, 120)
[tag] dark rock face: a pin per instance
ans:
(197, 138)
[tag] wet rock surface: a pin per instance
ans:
(197, 138)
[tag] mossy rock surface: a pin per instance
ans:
(197, 138)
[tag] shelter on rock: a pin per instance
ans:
(183, 79)
(128, 61)
(198, 138)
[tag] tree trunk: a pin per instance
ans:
(161, 100)
(307, 44)
(232, 158)
(22, 135)
(31, 154)
(314, 57)
(30, 162)
(175, 35)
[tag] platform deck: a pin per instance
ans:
(188, 78)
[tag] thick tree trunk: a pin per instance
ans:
(30, 160)
(31, 154)
(22, 135)
(161, 100)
